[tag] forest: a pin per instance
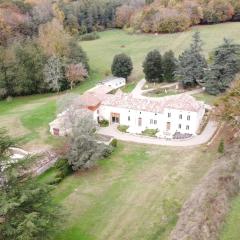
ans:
(39, 40)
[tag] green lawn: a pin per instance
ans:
(207, 98)
(102, 51)
(231, 229)
(135, 194)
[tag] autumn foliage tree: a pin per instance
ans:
(76, 73)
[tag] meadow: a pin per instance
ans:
(102, 51)
(135, 194)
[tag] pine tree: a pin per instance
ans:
(226, 64)
(192, 64)
(169, 65)
(122, 66)
(26, 208)
(152, 67)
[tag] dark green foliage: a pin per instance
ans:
(226, 64)
(103, 123)
(221, 146)
(169, 65)
(89, 36)
(63, 168)
(152, 67)
(122, 66)
(26, 209)
(84, 148)
(77, 55)
(89, 16)
(192, 64)
(23, 74)
(114, 143)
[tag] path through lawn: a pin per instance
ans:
(123, 198)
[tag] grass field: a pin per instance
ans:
(231, 228)
(135, 194)
(102, 51)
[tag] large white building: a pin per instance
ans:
(171, 116)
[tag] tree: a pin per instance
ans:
(152, 67)
(26, 208)
(53, 39)
(76, 73)
(53, 74)
(85, 150)
(226, 64)
(192, 64)
(169, 65)
(122, 66)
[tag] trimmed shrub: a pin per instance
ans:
(103, 123)
(122, 128)
(114, 143)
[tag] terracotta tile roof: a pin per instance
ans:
(180, 102)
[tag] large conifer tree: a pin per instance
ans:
(26, 209)
(226, 63)
(169, 65)
(152, 67)
(192, 64)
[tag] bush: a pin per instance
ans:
(123, 128)
(114, 143)
(89, 36)
(104, 123)
(150, 132)
(221, 146)
(63, 167)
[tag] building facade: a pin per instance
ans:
(180, 114)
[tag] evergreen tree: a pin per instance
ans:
(26, 209)
(122, 66)
(152, 67)
(169, 65)
(192, 64)
(226, 64)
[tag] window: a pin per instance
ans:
(129, 118)
(180, 126)
(180, 116)
(169, 115)
(140, 122)
(97, 111)
(151, 121)
(187, 127)
(155, 122)
(188, 117)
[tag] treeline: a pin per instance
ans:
(163, 16)
(37, 54)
